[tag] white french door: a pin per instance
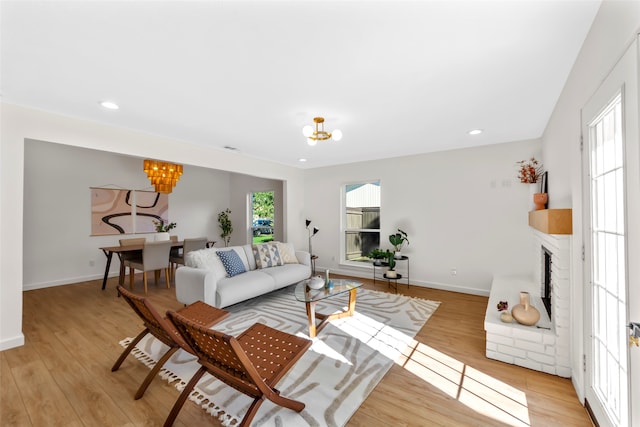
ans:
(611, 165)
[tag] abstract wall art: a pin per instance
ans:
(117, 211)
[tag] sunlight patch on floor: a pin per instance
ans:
(476, 390)
(386, 340)
(321, 347)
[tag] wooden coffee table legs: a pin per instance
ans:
(325, 318)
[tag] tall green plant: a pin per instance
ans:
(225, 225)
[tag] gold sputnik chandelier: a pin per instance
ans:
(318, 133)
(163, 175)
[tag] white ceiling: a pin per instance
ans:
(398, 78)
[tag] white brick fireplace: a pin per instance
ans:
(545, 346)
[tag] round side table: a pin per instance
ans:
(394, 280)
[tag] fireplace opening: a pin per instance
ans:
(547, 285)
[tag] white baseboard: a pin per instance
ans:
(16, 341)
(578, 386)
(67, 281)
(453, 288)
(434, 285)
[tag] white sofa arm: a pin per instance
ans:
(304, 257)
(196, 284)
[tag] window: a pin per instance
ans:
(361, 220)
(262, 224)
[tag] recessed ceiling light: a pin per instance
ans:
(109, 105)
(302, 160)
(475, 132)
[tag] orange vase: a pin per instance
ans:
(524, 312)
(540, 200)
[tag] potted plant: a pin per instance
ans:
(398, 240)
(391, 272)
(377, 255)
(225, 225)
(163, 230)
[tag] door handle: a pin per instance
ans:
(634, 336)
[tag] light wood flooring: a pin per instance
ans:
(62, 375)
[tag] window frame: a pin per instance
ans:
(343, 222)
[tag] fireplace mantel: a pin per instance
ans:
(552, 221)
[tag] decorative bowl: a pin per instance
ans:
(316, 282)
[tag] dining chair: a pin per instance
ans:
(155, 257)
(163, 330)
(252, 363)
(175, 251)
(129, 256)
(189, 245)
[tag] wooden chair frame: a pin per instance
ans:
(163, 330)
(125, 257)
(252, 363)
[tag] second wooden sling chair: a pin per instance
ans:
(252, 363)
(161, 328)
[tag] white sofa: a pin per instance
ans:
(205, 278)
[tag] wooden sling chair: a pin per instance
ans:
(252, 363)
(161, 328)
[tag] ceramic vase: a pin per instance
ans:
(397, 255)
(525, 313)
(506, 317)
(534, 188)
(540, 200)
(162, 236)
(391, 274)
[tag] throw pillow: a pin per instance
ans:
(232, 262)
(287, 253)
(206, 258)
(267, 255)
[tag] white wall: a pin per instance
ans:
(57, 226)
(463, 209)
(241, 188)
(615, 26)
(19, 124)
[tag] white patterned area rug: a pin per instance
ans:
(346, 361)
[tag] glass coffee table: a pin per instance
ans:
(310, 297)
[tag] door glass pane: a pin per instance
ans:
(608, 275)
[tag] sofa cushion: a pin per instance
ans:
(287, 253)
(232, 290)
(232, 263)
(209, 259)
(248, 252)
(267, 255)
(287, 274)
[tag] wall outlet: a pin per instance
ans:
(454, 272)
